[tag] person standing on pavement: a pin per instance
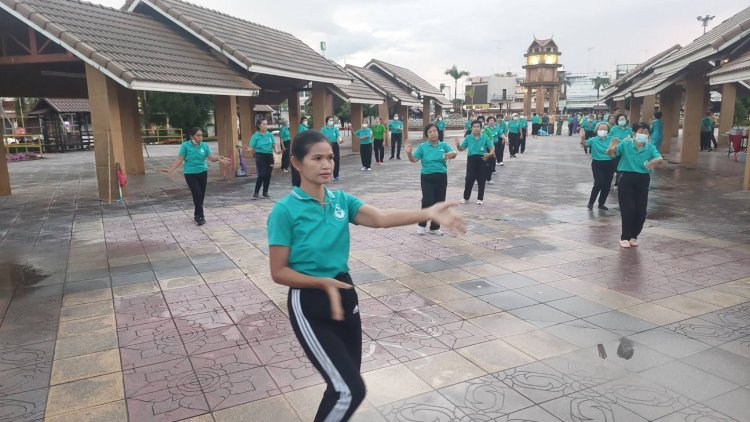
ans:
(331, 133)
(514, 135)
(286, 138)
(707, 130)
(365, 146)
(194, 153)
(638, 158)
(308, 244)
(480, 149)
(440, 124)
(303, 125)
(545, 124)
(602, 165)
(588, 131)
(535, 125)
(263, 145)
(657, 131)
(621, 131)
(502, 138)
(378, 134)
(491, 130)
(395, 127)
(524, 130)
(434, 154)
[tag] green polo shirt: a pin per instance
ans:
(476, 146)
(302, 128)
(621, 132)
(491, 132)
(262, 143)
(285, 134)
(440, 124)
(524, 123)
(195, 157)
(432, 157)
(589, 125)
(633, 160)
(364, 135)
(514, 126)
(331, 133)
(502, 128)
(378, 131)
(467, 125)
(535, 119)
(395, 126)
(706, 125)
(657, 132)
(599, 148)
(317, 236)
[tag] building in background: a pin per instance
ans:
(491, 94)
(542, 82)
(581, 94)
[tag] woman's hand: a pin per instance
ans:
(166, 171)
(443, 214)
(225, 160)
(487, 156)
(408, 147)
(331, 287)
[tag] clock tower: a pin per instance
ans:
(542, 62)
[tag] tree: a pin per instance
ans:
(741, 111)
(456, 74)
(344, 112)
(443, 86)
(457, 104)
(599, 83)
(22, 107)
(470, 91)
(180, 110)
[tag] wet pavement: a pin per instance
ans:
(131, 312)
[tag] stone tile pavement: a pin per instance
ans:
(131, 312)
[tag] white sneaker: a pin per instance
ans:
(363, 169)
(421, 230)
(437, 232)
(479, 202)
(501, 164)
(633, 242)
(491, 182)
(369, 169)
(463, 201)
(624, 244)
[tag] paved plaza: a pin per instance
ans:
(115, 312)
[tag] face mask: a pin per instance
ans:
(304, 122)
(364, 125)
(395, 118)
(330, 123)
(641, 138)
(622, 122)
(515, 119)
(602, 133)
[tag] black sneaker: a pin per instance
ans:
(603, 207)
(255, 196)
(590, 206)
(201, 221)
(266, 196)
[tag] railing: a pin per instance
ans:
(162, 136)
(12, 142)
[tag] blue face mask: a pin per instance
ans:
(641, 138)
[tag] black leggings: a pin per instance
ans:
(515, 142)
(434, 187)
(632, 194)
(491, 165)
(336, 159)
(197, 184)
(365, 153)
(379, 150)
(587, 134)
(396, 139)
(475, 169)
(705, 140)
(535, 128)
(441, 133)
(264, 166)
(604, 171)
(523, 140)
(285, 155)
(499, 151)
(333, 347)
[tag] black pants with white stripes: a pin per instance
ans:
(333, 347)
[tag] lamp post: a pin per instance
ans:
(705, 20)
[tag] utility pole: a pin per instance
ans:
(705, 20)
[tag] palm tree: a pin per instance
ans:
(443, 86)
(470, 93)
(599, 83)
(456, 74)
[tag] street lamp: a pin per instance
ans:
(705, 20)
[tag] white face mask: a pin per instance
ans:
(641, 138)
(602, 133)
(304, 122)
(364, 125)
(622, 122)
(515, 119)
(330, 123)
(395, 118)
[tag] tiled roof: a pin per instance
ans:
(642, 69)
(258, 48)
(733, 71)
(357, 92)
(137, 51)
(406, 77)
(383, 84)
(68, 105)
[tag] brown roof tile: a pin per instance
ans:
(407, 77)
(384, 84)
(261, 49)
(68, 105)
(140, 51)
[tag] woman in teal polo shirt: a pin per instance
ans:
(434, 174)
(480, 149)
(331, 133)
(440, 124)
(364, 135)
(286, 138)
(308, 238)
(514, 135)
(492, 131)
(602, 165)
(194, 153)
(263, 144)
(303, 125)
(637, 159)
(396, 127)
(524, 131)
(657, 131)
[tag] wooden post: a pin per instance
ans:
(225, 118)
(649, 102)
(726, 118)
(695, 92)
(294, 112)
(635, 109)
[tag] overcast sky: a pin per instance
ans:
(428, 37)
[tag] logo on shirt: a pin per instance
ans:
(203, 152)
(338, 212)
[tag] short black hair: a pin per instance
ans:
(641, 125)
(658, 115)
(427, 128)
(477, 122)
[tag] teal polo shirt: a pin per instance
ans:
(491, 132)
(364, 136)
(263, 143)
(589, 125)
(467, 125)
(524, 123)
(476, 146)
(633, 160)
(535, 119)
(395, 126)
(285, 134)
(657, 132)
(432, 157)
(502, 128)
(195, 157)
(440, 124)
(331, 133)
(621, 132)
(706, 124)
(301, 128)
(514, 126)
(599, 148)
(317, 236)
